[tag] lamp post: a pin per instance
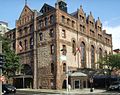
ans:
(91, 84)
(105, 78)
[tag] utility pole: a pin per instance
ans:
(0, 69)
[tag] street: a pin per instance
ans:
(105, 93)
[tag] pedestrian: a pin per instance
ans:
(69, 87)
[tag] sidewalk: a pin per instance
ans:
(76, 91)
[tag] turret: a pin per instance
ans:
(62, 5)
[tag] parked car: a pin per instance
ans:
(114, 86)
(8, 88)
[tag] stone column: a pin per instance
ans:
(35, 86)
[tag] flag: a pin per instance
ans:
(20, 47)
(77, 50)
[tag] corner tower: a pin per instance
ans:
(62, 5)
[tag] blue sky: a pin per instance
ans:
(106, 10)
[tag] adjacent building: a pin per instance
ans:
(53, 41)
(3, 27)
(116, 51)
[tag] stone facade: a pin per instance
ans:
(53, 32)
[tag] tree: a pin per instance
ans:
(11, 59)
(111, 61)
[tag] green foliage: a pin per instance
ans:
(11, 59)
(110, 61)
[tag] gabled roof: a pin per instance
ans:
(24, 11)
(81, 10)
(46, 8)
(98, 22)
(90, 17)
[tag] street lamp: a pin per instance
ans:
(91, 84)
(105, 78)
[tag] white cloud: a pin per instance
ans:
(112, 21)
(115, 31)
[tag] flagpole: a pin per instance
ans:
(78, 60)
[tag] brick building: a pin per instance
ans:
(51, 40)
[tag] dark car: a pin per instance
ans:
(114, 86)
(8, 88)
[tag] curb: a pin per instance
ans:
(83, 91)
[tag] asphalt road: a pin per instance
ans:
(34, 93)
(63, 94)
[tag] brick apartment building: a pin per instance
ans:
(52, 39)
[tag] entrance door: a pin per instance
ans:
(77, 84)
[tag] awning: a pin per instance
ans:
(78, 74)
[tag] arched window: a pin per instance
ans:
(31, 43)
(92, 56)
(63, 19)
(83, 54)
(51, 33)
(105, 53)
(27, 69)
(64, 67)
(64, 50)
(46, 21)
(52, 48)
(25, 41)
(51, 19)
(100, 53)
(41, 36)
(52, 68)
(20, 46)
(73, 46)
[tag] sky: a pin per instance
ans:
(107, 10)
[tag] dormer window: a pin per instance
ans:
(91, 23)
(81, 18)
(99, 28)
